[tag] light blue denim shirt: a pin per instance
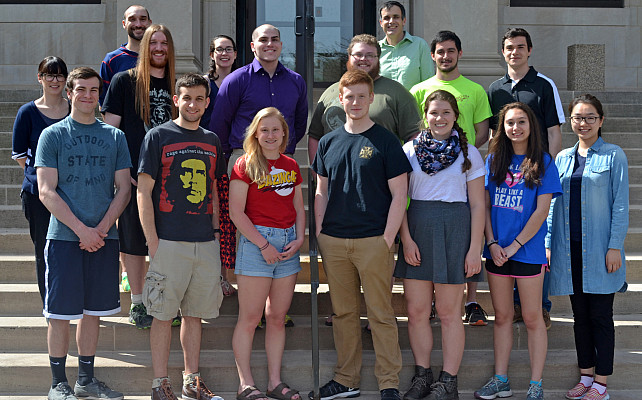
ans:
(605, 219)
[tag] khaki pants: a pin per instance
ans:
(236, 154)
(348, 264)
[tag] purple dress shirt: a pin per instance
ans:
(248, 90)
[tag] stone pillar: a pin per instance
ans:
(585, 67)
(476, 25)
(183, 18)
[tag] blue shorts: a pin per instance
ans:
(250, 261)
(79, 282)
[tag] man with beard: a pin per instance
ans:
(176, 156)
(265, 82)
(135, 21)
(474, 112)
(393, 106)
(138, 100)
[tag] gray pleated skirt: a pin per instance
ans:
(442, 233)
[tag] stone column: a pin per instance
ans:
(585, 67)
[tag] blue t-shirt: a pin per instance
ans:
(513, 203)
(86, 157)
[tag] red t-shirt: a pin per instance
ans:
(271, 204)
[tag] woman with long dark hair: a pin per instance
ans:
(30, 121)
(521, 180)
(586, 230)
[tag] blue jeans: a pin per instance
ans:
(546, 303)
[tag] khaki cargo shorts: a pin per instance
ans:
(185, 276)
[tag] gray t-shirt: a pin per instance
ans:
(86, 157)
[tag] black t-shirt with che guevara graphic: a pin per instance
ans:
(185, 165)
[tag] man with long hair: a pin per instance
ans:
(135, 20)
(138, 100)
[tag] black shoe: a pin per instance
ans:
(139, 317)
(390, 394)
(334, 390)
(445, 388)
(475, 315)
(420, 384)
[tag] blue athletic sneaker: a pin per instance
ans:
(535, 392)
(494, 388)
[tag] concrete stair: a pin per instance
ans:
(124, 360)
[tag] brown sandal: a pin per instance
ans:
(277, 392)
(245, 394)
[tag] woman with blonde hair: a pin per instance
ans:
(266, 205)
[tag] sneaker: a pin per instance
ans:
(334, 390)
(535, 392)
(517, 316)
(226, 286)
(433, 311)
(420, 384)
(577, 392)
(475, 315)
(445, 388)
(164, 391)
(96, 390)
(547, 318)
(176, 321)
(139, 317)
(390, 394)
(61, 391)
(593, 394)
(494, 388)
(124, 283)
(197, 390)
(288, 321)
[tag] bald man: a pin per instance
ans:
(265, 82)
(135, 21)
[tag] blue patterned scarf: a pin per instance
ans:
(434, 155)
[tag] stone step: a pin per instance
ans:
(131, 371)
(11, 174)
(635, 175)
(5, 139)
(23, 299)
(117, 334)
(633, 241)
(10, 108)
(624, 139)
(605, 97)
(635, 192)
(10, 194)
(619, 110)
(12, 217)
(20, 95)
(15, 241)
(20, 269)
(634, 156)
(365, 394)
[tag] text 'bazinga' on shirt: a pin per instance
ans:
(279, 179)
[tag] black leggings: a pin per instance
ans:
(593, 327)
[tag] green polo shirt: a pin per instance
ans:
(408, 62)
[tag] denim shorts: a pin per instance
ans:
(250, 261)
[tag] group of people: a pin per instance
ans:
(179, 165)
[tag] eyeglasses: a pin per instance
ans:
(588, 120)
(368, 56)
(223, 50)
(51, 77)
